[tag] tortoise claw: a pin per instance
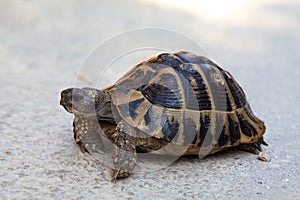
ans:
(119, 174)
(83, 148)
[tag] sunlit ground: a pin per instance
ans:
(217, 10)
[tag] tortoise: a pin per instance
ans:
(178, 99)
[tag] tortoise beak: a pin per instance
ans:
(66, 99)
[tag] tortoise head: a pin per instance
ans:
(87, 102)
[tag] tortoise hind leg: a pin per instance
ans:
(255, 148)
(124, 158)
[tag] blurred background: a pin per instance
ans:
(244, 28)
(43, 45)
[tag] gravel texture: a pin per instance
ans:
(43, 44)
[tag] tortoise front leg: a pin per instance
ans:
(93, 136)
(86, 133)
(124, 157)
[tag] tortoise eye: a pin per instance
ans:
(77, 97)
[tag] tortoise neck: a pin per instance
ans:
(104, 108)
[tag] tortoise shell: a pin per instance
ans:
(185, 99)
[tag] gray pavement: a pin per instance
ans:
(43, 44)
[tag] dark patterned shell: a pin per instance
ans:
(186, 99)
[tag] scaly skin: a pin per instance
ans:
(124, 158)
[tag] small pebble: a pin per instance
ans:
(264, 156)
